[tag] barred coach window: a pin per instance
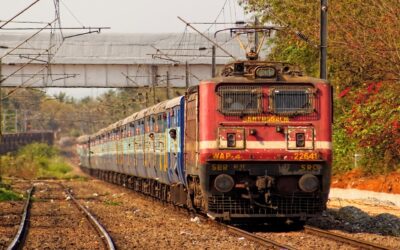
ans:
(240, 100)
(292, 100)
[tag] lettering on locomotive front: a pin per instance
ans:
(226, 156)
(300, 156)
(269, 119)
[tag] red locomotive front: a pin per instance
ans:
(262, 147)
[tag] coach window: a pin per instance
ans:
(132, 129)
(147, 124)
(174, 116)
(142, 128)
(164, 121)
(137, 128)
(153, 123)
(177, 116)
(160, 123)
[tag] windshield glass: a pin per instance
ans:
(239, 100)
(291, 100)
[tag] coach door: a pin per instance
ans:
(191, 134)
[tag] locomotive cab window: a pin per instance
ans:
(292, 100)
(240, 100)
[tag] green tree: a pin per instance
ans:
(364, 67)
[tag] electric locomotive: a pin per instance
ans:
(262, 143)
(253, 144)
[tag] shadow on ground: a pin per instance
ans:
(348, 219)
(354, 220)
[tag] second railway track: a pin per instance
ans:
(362, 244)
(56, 220)
(315, 238)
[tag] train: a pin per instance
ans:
(253, 144)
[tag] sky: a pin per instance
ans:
(122, 16)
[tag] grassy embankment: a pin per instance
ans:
(34, 161)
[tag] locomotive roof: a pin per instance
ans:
(284, 79)
(284, 73)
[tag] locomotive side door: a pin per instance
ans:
(191, 134)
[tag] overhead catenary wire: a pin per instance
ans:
(207, 38)
(71, 13)
(23, 66)
(26, 40)
(18, 14)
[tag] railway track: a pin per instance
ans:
(50, 211)
(268, 243)
(101, 230)
(362, 244)
(17, 241)
(311, 237)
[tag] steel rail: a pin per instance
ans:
(104, 234)
(19, 236)
(258, 239)
(342, 238)
(231, 229)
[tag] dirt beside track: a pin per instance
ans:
(10, 217)
(137, 222)
(55, 223)
(389, 183)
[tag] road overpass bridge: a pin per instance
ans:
(111, 60)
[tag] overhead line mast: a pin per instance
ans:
(324, 39)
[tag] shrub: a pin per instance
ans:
(8, 195)
(36, 160)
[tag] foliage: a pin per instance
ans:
(364, 63)
(343, 159)
(70, 117)
(9, 195)
(373, 119)
(112, 203)
(36, 160)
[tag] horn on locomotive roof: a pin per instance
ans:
(254, 45)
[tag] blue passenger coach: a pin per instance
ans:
(147, 145)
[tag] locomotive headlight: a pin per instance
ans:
(265, 72)
(308, 183)
(300, 140)
(231, 140)
(224, 183)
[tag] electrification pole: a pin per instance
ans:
(324, 39)
(256, 40)
(167, 89)
(186, 75)
(213, 64)
(154, 72)
(1, 102)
